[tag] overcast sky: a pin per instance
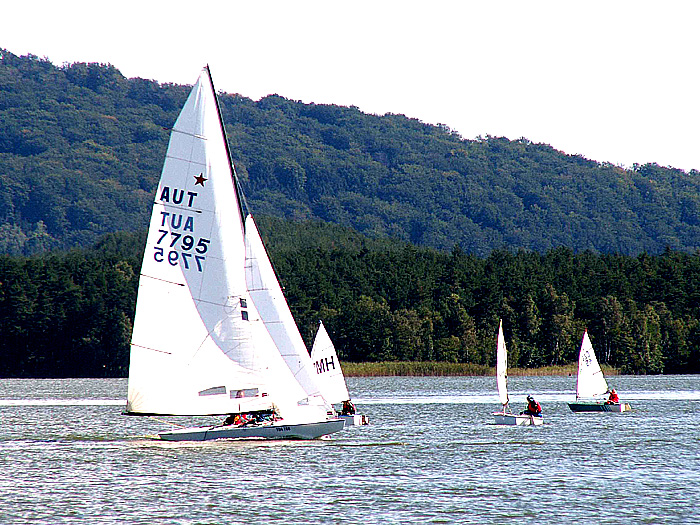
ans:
(614, 81)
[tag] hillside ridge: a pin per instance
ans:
(81, 150)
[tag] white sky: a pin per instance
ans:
(615, 81)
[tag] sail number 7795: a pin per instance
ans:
(186, 248)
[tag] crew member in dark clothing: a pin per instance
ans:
(348, 408)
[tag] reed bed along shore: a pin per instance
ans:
(435, 368)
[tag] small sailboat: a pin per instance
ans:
(200, 345)
(591, 386)
(506, 417)
(331, 378)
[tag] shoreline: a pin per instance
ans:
(437, 369)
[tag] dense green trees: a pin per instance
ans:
(66, 315)
(81, 149)
(447, 309)
(69, 314)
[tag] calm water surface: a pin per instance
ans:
(430, 455)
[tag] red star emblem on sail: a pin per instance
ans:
(199, 179)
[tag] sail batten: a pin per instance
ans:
(151, 349)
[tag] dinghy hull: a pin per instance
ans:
(275, 431)
(600, 407)
(355, 420)
(517, 419)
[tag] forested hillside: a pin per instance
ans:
(70, 314)
(406, 240)
(81, 148)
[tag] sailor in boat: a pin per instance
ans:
(237, 419)
(533, 407)
(613, 399)
(251, 419)
(348, 409)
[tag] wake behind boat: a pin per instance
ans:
(506, 417)
(591, 386)
(200, 343)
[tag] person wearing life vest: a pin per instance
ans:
(348, 408)
(614, 398)
(533, 407)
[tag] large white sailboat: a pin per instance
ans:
(330, 376)
(200, 345)
(505, 416)
(591, 386)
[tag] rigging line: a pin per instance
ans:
(243, 207)
(166, 422)
(272, 264)
(236, 183)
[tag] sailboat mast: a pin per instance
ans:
(242, 203)
(236, 182)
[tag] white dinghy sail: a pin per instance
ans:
(591, 386)
(330, 376)
(199, 346)
(325, 361)
(506, 417)
(590, 381)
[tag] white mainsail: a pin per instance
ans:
(328, 371)
(591, 382)
(502, 366)
(198, 344)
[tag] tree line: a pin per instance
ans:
(69, 314)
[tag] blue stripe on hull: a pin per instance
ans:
(596, 407)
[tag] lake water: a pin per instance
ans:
(430, 455)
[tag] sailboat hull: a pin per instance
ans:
(355, 420)
(600, 407)
(517, 419)
(274, 431)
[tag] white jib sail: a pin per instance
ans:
(198, 345)
(328, 371)
(591, 382)
(274, 311)
(502, 366)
